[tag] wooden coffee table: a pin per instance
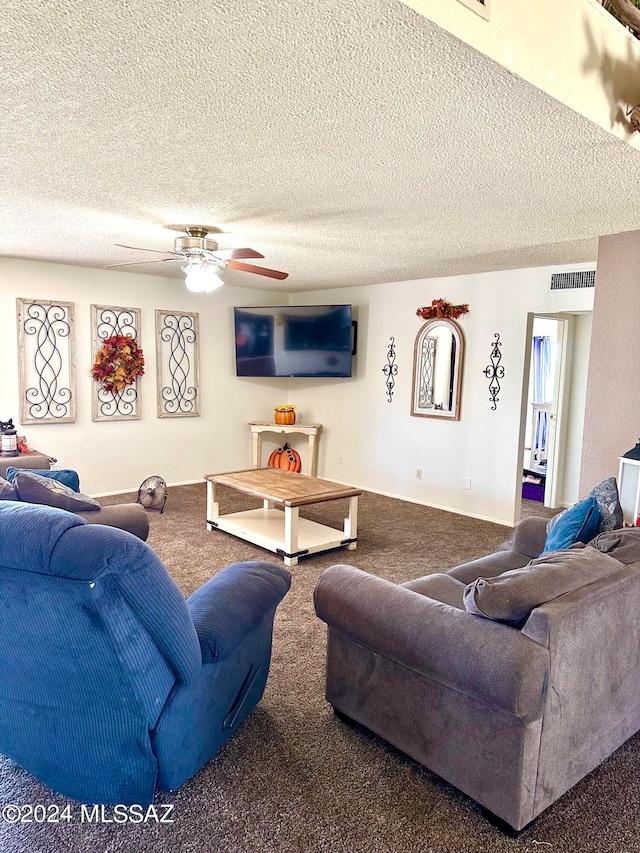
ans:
(277, 526)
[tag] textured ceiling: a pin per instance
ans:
(350, 143)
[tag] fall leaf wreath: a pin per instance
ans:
(118, 364)
(441, 310)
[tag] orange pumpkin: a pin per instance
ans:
(285, 417)
(273, 460)
(286, 458)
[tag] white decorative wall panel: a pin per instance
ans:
(177, 360)
(106, 321)
(46, 361)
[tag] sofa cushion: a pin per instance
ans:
(623, 544)
(43, 490)
(606, 495)
(578, 524)
(8, 491)
(512, 596)
(62, 475)
(444, 588)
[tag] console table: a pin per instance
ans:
(312, 431)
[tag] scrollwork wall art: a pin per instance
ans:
(46, 363)
(390, 369)
(178, 364)
(494, 371)
(106, 321)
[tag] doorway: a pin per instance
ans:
(544, 433)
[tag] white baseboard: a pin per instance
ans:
(135, 488)
(343, 483)
(500, 521)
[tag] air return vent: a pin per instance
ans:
(573, 280)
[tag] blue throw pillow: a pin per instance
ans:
(578, 524)
(606, 494)
(63, 475)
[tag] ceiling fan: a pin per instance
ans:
(202, 260)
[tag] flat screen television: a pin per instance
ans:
(294, 340)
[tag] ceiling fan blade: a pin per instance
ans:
(141, 249)
(135, 263)
(236, 254)
(236, 265)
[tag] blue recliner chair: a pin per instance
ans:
(112, 685)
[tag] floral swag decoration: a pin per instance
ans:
(118, 364)
(441, 310)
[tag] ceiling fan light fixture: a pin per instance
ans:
(201, 276)
(201, 260)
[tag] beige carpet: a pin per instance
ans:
(295, 778)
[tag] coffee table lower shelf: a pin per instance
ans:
(267, 529)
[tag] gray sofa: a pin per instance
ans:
(33, 461)
(131, 517)
(514, 715)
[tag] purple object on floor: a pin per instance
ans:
(533, 492)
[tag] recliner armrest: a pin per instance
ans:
(487, 660)
(233, 602)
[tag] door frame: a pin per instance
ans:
(555, 468)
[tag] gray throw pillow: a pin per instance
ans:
(41, 490)
(511, 597)
(8, 491)
(606, 495)
(608, 500)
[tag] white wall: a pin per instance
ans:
(612, 420)
(382, 445)
(117, 456)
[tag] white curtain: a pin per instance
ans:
(542, 380)
(542, 393)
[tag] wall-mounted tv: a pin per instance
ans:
(294, 340)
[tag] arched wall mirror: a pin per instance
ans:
(437, 370)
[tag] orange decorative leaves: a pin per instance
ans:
(118, 364)
(441, 310)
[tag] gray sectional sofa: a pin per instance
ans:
(513, 687)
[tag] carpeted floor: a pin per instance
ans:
(294, 777)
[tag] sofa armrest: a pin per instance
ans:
(530, 535)
(233, 602)
(130, 517)
(487, 660)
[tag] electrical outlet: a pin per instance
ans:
(467, 482)
(418, 473)
(340, 458)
